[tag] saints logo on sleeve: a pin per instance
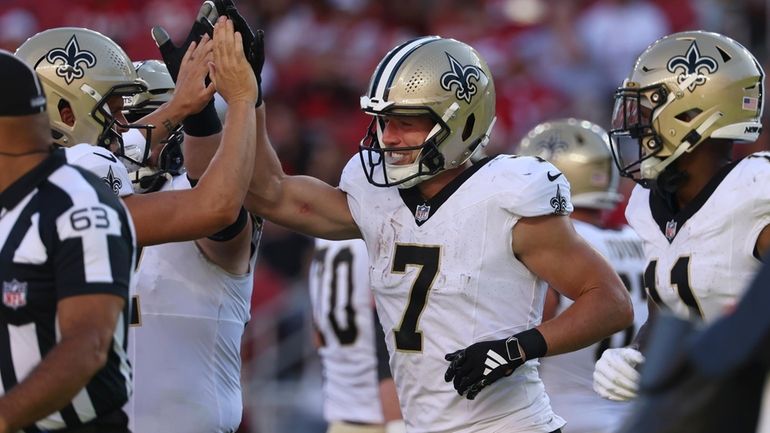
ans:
(102, 163)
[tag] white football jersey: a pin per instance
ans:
(343, 313)
(568, 378)
(186, 348)
(701, 259)
(104, 164)
(444, 277)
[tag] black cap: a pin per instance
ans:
(21, 89)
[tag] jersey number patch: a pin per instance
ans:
(347, 334)
(680, 281)
(408, 338)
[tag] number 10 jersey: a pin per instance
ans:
(343, 314)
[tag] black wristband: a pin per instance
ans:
(204, 123)
(233, 229)
(532, 343)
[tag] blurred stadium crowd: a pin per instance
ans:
(550, 59)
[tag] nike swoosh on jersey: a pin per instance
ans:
(113, 159)
(553, 177)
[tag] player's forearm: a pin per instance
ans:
(64, 371)
(165, 119)
(391, 410)
(225, 182)
(597, 313)
(301, 203)
(265, 189)
(198, 152)
(641, 338)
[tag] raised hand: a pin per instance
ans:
(253, 42)
(192, 93)
(172, 54)
(615, 374)
(231, 72)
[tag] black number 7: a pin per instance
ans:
(407, 336)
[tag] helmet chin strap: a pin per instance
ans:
(652, 167)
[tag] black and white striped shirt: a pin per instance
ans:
(62, 233)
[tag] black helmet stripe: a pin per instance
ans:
(390, 64)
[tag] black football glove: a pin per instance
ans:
(480, 364)
(253, 43)
(171, 54)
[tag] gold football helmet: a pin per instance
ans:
(83, 68)
(441, 78)
(160, 89)
(685, 88)
(581, 150)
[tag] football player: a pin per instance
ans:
(702, 216)
(581, 151)
(359, 395)
(89, 91)
(192, 317)
(87, 76)
(460, 254)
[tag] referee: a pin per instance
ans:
(66, 260)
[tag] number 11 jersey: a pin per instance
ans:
(701, 258)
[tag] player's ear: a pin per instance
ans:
(66, 113)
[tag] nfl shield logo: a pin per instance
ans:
(421, 213)
(670, 230)
(14, 294)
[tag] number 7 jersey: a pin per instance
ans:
(444, 276)
(701, 259)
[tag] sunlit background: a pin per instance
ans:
(550, 58)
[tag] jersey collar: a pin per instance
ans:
(670, 220)
(423, 209)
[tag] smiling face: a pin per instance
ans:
(407, 133)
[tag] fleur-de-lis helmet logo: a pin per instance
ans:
(73, 60)
(459, 77)
(692, 63)
(551, 145)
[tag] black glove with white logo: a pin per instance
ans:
(253, 43)
(481, 364)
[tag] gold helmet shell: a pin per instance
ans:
(581, 150)
(83, 68)
(685, 88)
(444, 79)
(160, 88)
